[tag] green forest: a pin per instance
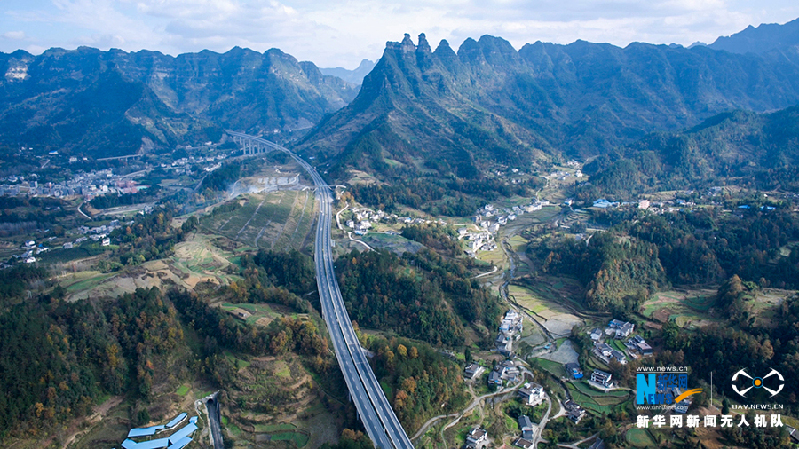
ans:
(422, 296)
(643, 253)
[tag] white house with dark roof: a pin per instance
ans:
(532, 394)
(602, 378)
(472, 371)
(619, 357)
(476, 438)
(603, 350)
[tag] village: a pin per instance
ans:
(615, 343)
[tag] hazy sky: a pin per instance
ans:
(343, 33)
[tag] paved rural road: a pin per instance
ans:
(374, 410)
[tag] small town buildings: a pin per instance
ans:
(503, 344)
(625, 331)
(602, 378)
(644, 349)
(620, 329)
(595, 334)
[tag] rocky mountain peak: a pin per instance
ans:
(406, 45)
(423, 44)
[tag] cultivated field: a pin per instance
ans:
(557, 319)
(686, 309)
(275, 220)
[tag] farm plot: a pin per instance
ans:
(595, 401)
(554, 317)
(686, 309)
(640, 438)
(278, 220)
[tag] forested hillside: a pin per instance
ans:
(421, 296)
(753, 150)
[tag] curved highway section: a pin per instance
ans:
(373, 408)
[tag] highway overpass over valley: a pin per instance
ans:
(374, 409)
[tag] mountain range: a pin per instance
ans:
(418, 111)
(768, 37)
(107, 103)
(354, 76)
(462, 113)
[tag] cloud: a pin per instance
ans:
(14, 35)
(343, 33)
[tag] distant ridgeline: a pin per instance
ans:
(759, 150)
(110, 103)
(458, 114)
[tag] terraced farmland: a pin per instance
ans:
(277, 220)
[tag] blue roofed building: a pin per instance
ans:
(182, 433)
(152, 444)
(145, 432)
(575, 370)
(183, 442)
(177, 420)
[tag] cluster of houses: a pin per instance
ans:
(180, 437)
(31, 249)
(563, 175)
(507, 371)
(510, 330)
(486, 214)
(659, 206)
(179, 166)
(619, 330)
(362, 219)
(474, 241)
(96, 233)
(88, 185)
